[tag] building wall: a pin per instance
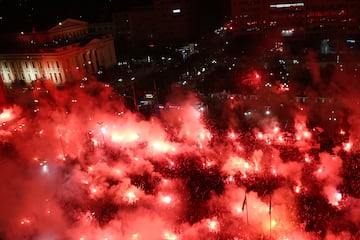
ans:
(134, 28)
(176, 20)
(103, 28)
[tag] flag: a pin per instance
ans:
(2, 93)
(270, 206)
(244, 203)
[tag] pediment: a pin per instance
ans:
(67, 23)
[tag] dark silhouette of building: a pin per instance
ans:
(164, 22)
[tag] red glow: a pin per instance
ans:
(7, 114)
(173, 176)
(347, 146)
(25, 221)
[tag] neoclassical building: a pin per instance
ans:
(65, 52)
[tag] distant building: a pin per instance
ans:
(296, 17)
(168, 22)
(333, 16)
(248, 16)
(65, 52)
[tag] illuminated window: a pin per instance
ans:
(176, 11)
(287, 5)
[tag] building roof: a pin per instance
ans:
(19, 42)
(67, 23)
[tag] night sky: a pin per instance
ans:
(22, 15)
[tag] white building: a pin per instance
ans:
(66, 52)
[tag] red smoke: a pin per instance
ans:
(76, 164)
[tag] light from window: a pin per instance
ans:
(287, 5)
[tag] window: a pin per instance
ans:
(176, 11)
(287, 5)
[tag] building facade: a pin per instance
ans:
(66, 52)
